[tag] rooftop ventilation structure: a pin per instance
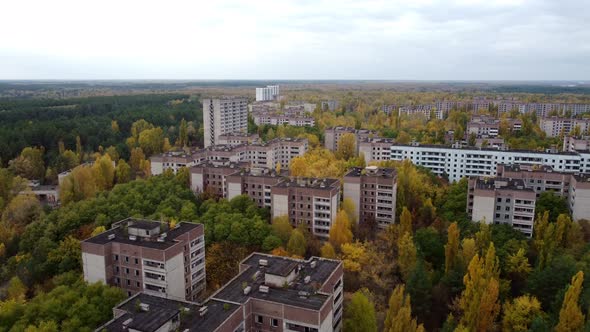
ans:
(263, 262)
(263, 289)
(111, 237)
(247, 290)
(203, 310)
(132, 237)
(313, 264)
(144, 307)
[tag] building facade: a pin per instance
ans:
(148, 256)
(373, 191)
(456, 163)
(307, 201)
(224, 116)
(502, 201)
(333, 135)
(270, 92)
(270, 293)
(555, 126)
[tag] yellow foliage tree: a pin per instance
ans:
(406, 255)
(346, 148)
(340, 232)
(104, 172)
(327, 251)
(571, 317)
(452, 247)
(405, 221)
(399, 314)
(519, 313)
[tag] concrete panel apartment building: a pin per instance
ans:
(456, 163)
(502, 201)
(373, 192)
(269, 293)
(148, 256)
(555, 126)
(257, 154)
(311, 202)
(270, 92)
(333, 135)
(223, 116)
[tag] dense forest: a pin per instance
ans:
(97, 121)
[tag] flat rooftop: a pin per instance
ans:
(161, 310)
(373, 171)
(529, 168)
(298, 293)
(315, 183)
(121, 234)
(501, 183)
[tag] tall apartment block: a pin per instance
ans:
(223, 116)
(502, 201)
(330, 105)
(271, 92)
(270, 293)
(373, 191)
(334, 134)
(311, 202)
(148, 256)
(427, 111)
(554, 126)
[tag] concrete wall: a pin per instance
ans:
(483, 208)
(581, 206)
(157, 167)
(280, 205)
(94, 267)
(197, 182)
(233, 189)
(353, 192)
(175, 277)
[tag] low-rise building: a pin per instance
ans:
(307, 201)
(211, 177)
(172, 160)
(234, 139)
(378, 148)
(144, 255)
(373, 191)
(573, 144)
(502, 201)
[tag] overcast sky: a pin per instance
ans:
(307, 39)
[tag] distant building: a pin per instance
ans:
(373, 191)
(555, 126)
(502, 201)
(427, 111)
(572, 144)
(271, 92)
(390, 109)
(257, 154)
(270, 293)
(329, 105)
(210, 176)
(224, 116)
(307, 201)
(144, 255)
(332, 136)
(234, 139)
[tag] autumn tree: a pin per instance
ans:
(360, 313)
(151, 141)
(79, 184)
(479, 300)
(123, 172)
(349, 208)
(104, 173)
(399, 313)
(282, 228)
(452, 247)
(405, 221)
(346, 148)
(183, 133)
(571, 317)
(327, 251)
(519, 313)
(297, 244)
(340, 231)
(16, 290)
(29, 164)
(406, 255)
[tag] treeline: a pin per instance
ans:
(46, 123)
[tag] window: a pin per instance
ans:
(136, 272)
(128, 282)
(126, 271)
(275, 322)
(259, 319)
(116, 257)
(138, 284)
(136, 261)
(126, 259)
